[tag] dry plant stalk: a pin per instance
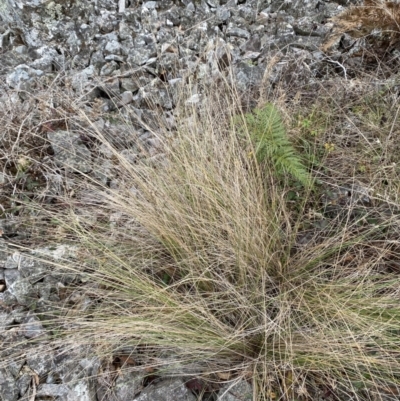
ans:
(361, 21)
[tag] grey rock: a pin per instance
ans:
(175, 89)
(23, 383)
(128, 384)
(173, 15)
(239, 391)
(111, 87)
(150, 5)
(23, 292)
(31, 269)
(3, 252)
(14, 366)
(7, 298)
(23, 77)
(32, 327)
(203, 10)
(97, 59)
(53, 390)
(118, 135)
(187, 16)
(222, 14)
(76, 372)
(125, 31)
(103, 171)
(167, 390)
(112, 47)
(129, 156)
(141, 55)
(107, 105)
(6, 320)
(74, 366)
(69, 151)
(154, 143)
(55, 253)
(213, 3)
(105, 150)
(247, 76)
(13, 261)
(19, 314)
(251, 55)
(238, 32)
(114, 57)
(194, 99)
(151, 95)
(40, 363)
(249, 14)
(82, 391)
(253, 44)
(83, 79)
(9, 388)
(11, 59)
(129, 84)
(168, 64)
(48, 58)
(219, 58)
(11, 276)
(44, 290)
(108, 68)
(151, 63)
(80, 60)
(137, 81)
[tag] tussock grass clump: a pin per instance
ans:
(191, 257)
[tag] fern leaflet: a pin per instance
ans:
(271, 143)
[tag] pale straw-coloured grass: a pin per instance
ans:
(199, 272)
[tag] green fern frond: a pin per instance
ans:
(272, 144)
